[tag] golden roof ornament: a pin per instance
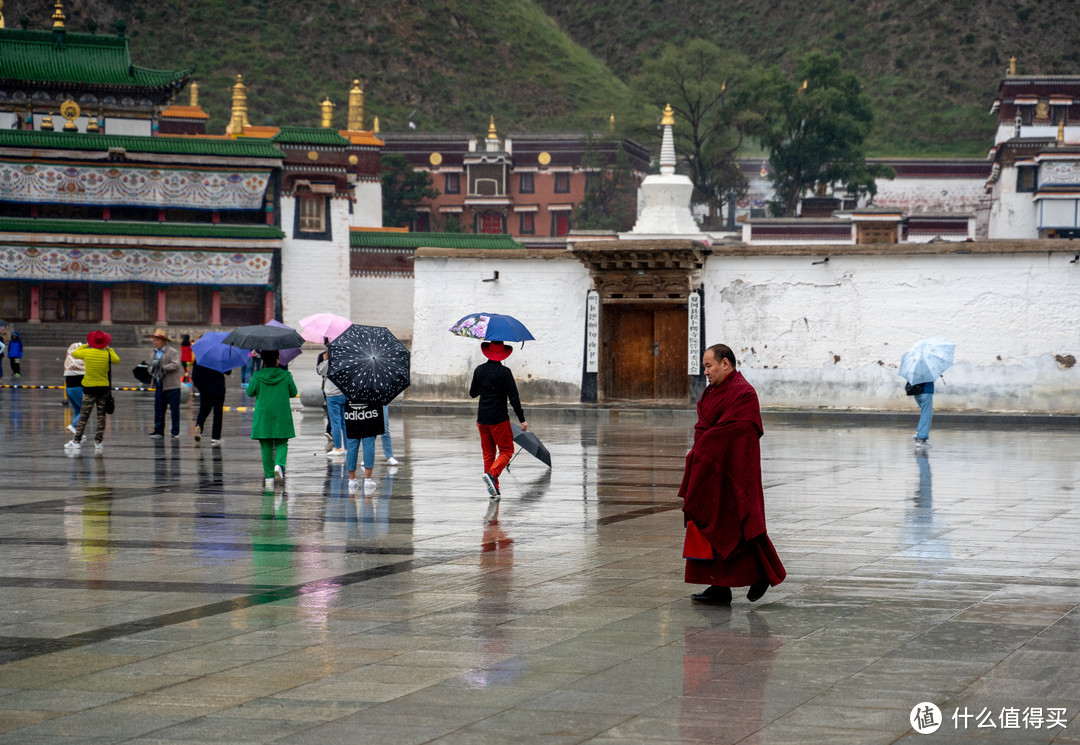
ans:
(238, 119)
(1, 13)
(1061, 132)
(92, 125)
(611, 124)
(375, 127)
(1012, 65)
(193, 91)
(356, 107)
(58, 17)
(70, 111)
(492, 135)
(668, 119)
(46, 123)
(327, 108)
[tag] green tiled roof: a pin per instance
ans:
(310, 136)
(382, 239)
(82, 59)
(241, 148)
(151, 229)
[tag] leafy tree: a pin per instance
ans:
(697, 78)
(403, 188)
(610, 201)
(814, 126)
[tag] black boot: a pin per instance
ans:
(714, 595)
(756, 592)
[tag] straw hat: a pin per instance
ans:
(161, 334)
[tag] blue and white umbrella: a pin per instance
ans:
(926, 360)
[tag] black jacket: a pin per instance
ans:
(209, 382)
(494, 384)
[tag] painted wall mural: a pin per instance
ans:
(1059, 173)
(135, 265)
(137, 187)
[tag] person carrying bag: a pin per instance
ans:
(99, 358)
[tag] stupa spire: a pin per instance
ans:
(239, 118)
(356, 107)
(667, 144)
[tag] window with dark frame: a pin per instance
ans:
(312, 214)
(525, 183)
(560, 222)
(562, 183)
(527, 224)
(1027, 178)
(452, 183)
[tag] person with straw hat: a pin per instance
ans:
(165, 370)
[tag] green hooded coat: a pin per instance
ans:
(272, 388)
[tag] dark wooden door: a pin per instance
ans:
(644, 352)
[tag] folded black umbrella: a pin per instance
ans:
(531, 444)
(141, 372)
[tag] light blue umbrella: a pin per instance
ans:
(926, 360)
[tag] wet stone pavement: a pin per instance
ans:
(157, 594)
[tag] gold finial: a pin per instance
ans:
(70, 111)
(804, 86)
(668, 119)
(1, 14)
(92, 125)
(1061, 132)
(375, 127)
(46, 123)
(492, 135)
(58, 17)
(1012, 65)
(611, 123)
(356, 107)
(239, 119)
(327, 108)
(194, 92)
(723, 87)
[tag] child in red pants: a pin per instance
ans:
(494, 384)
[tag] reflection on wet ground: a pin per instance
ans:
(156, 593)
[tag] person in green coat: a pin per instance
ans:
(271, 423)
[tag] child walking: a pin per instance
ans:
(271, 422)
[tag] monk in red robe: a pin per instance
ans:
(721, 489)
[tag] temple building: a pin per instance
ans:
(116, 207)
(1035, 181)
(522, 185)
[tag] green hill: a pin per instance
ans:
(932, 68)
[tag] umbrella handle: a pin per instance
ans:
(512, 459)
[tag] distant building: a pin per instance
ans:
(1035, 182)
(524, 185)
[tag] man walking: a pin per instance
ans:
(723, 500)
(494, 384)
(165, 370)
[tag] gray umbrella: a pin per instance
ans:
(530, 443)
(368, 363)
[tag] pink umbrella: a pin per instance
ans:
(323, 326)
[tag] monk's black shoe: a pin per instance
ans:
(714, 595)
(756, 592)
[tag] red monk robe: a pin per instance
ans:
(721, 489)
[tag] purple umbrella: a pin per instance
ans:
(285, 356)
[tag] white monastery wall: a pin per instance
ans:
(384, 301)
(367, 210)
(315, 278)
(1013, 214)
(547, 294)
(831, 335)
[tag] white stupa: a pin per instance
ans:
(665, 210)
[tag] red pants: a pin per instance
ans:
(496, 435)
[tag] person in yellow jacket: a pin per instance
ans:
(99, 357)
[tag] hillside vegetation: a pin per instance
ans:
(932, 68)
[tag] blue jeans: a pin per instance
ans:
(75, 397)
(926, 414)
(387, 443)
(335, 412)
(171, 399)
(352, 451)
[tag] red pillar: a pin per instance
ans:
(161, 297)
(268, 307)
(35, 304)
(215, 307)
(106, 306)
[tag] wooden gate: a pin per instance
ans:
(644, 352)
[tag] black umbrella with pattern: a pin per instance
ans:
(368, 363)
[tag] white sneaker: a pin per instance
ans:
(391, 471)
(71, 429)
(353, 486)
(72, 445)
(922, 444)
(215, 442)
(369, 486)
(99, 448)
(268, 484)
(335, 452)
(279, 474)
(392, 461)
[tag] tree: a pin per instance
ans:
(696, 78)
(610, 201)
(814, 126)
(403, 188)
